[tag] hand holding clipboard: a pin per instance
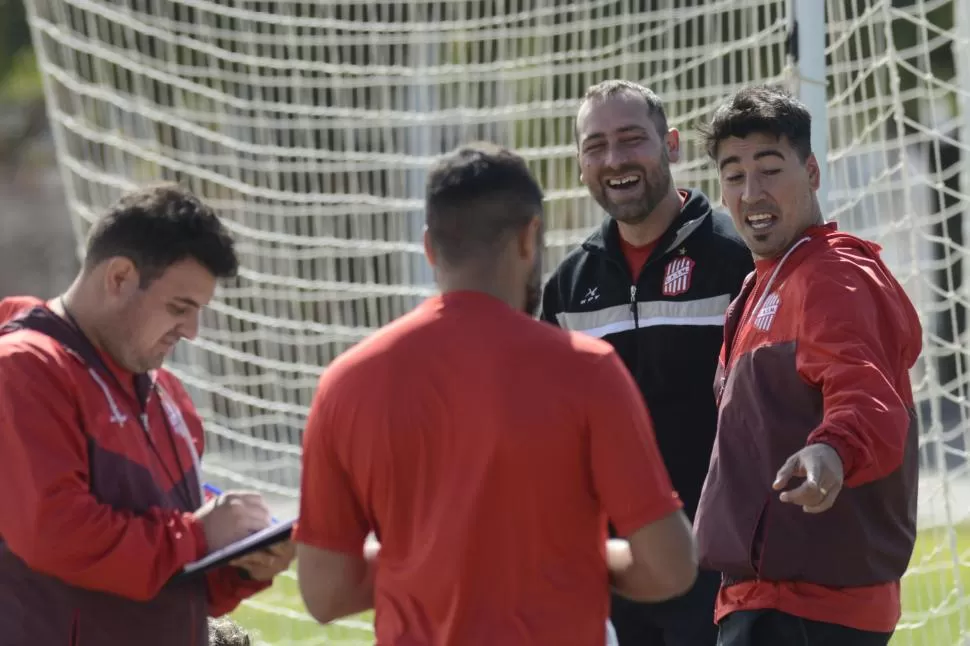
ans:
(259, 552)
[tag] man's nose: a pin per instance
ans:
(753, 191)
(190, 329)
(615, 157)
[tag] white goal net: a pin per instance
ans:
(309, 125)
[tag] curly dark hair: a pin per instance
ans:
(766, 109)
(158, 226)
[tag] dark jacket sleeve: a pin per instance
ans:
(48, 516)
(550, 305)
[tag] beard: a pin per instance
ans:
(656, 187)
(533, 288)
(533, 298)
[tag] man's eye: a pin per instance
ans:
(177, 310)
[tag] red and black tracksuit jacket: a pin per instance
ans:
(818, 349)
(95, 511)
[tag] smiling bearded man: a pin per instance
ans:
(654, 281)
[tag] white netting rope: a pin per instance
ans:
(309, 126)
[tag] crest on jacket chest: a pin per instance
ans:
(766, 314)
(678, 273)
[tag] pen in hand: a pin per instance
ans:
(216, 491)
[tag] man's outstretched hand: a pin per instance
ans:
(821, 467)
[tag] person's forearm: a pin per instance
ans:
(637, 581)
(360, 597)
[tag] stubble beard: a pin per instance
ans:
(657, 187)
(533, 288)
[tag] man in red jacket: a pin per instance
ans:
(99, 446)
(809, 508)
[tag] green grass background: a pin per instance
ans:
(936, 602)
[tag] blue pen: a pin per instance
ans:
(216, 491)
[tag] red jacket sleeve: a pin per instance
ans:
(227, 586)
(53, 522)
(851, 346)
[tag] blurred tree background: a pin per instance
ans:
(37, 244)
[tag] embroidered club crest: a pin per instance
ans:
(677, 276)
(767, 312)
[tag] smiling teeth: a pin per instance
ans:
(622, 181)
(760, 220)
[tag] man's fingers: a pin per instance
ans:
(285, 549)
(245, 497)
(251, 511)
(256, 560)
(806, 494)
(786, 472)
(828, 499)
(813, 472)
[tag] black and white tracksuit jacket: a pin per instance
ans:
(667, 325)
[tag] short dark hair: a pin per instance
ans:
(615, 87)
(225, 632)
(765, 109)
(476, 196)
(158, 226)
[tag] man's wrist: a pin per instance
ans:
(198, 534)
(841, 448)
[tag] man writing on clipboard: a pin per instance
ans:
(99, 446)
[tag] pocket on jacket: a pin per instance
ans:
(756, 546)
(76, 629)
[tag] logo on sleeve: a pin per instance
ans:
(767, 312)
(677, 276)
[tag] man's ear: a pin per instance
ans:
(429, 249)
(814, 172)
(672, 141)
(121, 277)
(528, 239)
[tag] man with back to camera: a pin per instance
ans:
(813, 384)
(100, 446)
(484, 449)
(654, 281)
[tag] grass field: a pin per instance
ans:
(936, 609)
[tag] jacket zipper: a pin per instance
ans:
(633, 307)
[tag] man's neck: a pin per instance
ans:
(494, 288)
(654, 225)
(71, 306)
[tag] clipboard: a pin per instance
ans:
(273, 534)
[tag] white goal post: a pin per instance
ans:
(309, 125)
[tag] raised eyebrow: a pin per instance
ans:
(761, 154)
(621, 130)
(187, 301)
(771, 152)
(733, 159)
